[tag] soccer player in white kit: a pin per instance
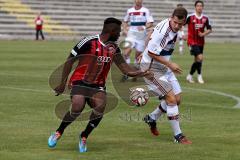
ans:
(156, 57)
(181, 39)
(137, 21)
(181, 36)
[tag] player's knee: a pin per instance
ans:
(77, 107)
(74, 114)
(178, 99)
(178, 102)
(199, 58)
(171, 100)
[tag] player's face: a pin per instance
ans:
(176, 24)
(138, 2)
(199, 8)
(115, 34)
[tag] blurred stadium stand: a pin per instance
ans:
(72, 19)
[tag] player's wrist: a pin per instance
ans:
(168, 64)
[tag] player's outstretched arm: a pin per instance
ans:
(66, 71)
(127, 69)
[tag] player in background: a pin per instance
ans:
(197, 22)
(137, 22)
(181, 36)
(39, 26)
(156, 58)
(181, 39)
(88, 79)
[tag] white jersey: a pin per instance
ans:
(161, 43)
(138, 18)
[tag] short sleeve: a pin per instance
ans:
(188, 20)
(149, 17)
(83, 46)
(157, 42)
(208, 24)
(126, 17)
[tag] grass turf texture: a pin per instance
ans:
(27, 110)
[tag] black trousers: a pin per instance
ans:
(39, 32)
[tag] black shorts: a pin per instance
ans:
(196, 50)
(86, 89)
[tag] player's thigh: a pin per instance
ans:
(199, 58)
(176, 86)
(174, 82)
(98, 101)
(78, 103)
(159, 84)
(130, 42)
(140, 46)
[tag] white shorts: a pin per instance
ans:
(164, 83)
(137, 40)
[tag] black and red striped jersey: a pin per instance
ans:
(94, 61)
(197, 24)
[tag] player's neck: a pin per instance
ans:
(138, 7)
(198, 14)
(103, 38)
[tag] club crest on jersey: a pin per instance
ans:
(204, 20)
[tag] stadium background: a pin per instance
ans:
(75, 18)
(209, 112)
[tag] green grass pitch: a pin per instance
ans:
(27, 110)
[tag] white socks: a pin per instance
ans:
(172, 113)
(173, 116)
(128, 60)
(157, 112)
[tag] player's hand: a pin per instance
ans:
(200, 34)
(175, 68)
(59, 89)
(148, 74)
(184, 37)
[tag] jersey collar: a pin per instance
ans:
(100, 40)
(198, 17)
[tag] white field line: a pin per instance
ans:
(218, 93)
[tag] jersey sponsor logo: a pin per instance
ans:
(197, 26)
(103, 59)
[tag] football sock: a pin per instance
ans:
(90, 126)
(199, 67)
(173, 117)
(181, 49)
(67, 120)
(193, 68)
(161, 109)
(127, 59)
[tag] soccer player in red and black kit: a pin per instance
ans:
(196, 33)
(94, 55)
